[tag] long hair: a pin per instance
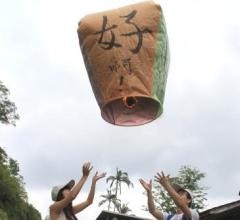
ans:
(189, 197)
(68, 210)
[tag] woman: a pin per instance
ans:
(63, 196)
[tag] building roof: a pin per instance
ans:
(106, 215)
(229, 211)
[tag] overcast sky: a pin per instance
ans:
(61, 126)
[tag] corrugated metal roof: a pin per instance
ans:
(229, 211)
(106, 215)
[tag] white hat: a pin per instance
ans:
(180, 188)
(56, 189)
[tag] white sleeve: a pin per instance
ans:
(165, 215)
(195, 215)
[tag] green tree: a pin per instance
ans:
(112, 194)
(3, 215)
(3, 156)
(123, 208)
(14, 167)
(32, 213)
(13, 197)
(8, 109)
(189, 178)
(110, 199)
(118, 179)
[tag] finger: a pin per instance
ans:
(103, 175)
(162, 174)
(141, 181)
(88, 165)
(157, 179)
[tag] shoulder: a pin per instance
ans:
(53, 210)
(195, 215)
(167, 216)
(57, 215)
(52, 207)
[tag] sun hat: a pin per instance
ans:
(56, 189)
(180, 188)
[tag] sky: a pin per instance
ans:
(60, 125)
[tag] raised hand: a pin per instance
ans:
(162, 179)
(87, 167)
(146, 186)
(96, 177)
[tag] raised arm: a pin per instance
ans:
(59, 205)
(89, 200)
(165, 182)
(151, 207)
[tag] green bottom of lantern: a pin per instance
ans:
(131, 111)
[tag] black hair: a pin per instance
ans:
(189, 197)
(68, 210)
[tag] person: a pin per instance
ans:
(62, 208)
(182, 198)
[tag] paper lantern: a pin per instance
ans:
(126, 55)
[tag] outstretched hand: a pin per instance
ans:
(96, 177)
(87, 167)
(146, 186)
(162, 179)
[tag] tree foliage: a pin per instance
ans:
(3, 215)
(109, 198)
(112, 196)
(189, 178)
(118, 179)
(8, 109)
(123, 208)
(13, 197)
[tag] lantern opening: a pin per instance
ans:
(131, 111)
(130, 101)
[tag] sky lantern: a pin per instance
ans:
(126, 55)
